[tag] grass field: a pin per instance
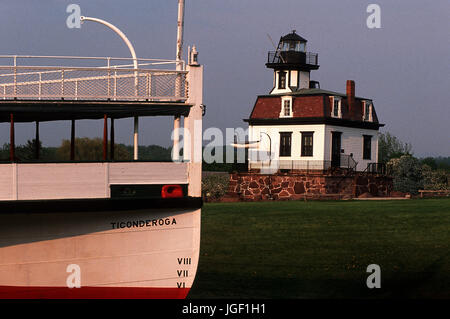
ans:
(322, 249)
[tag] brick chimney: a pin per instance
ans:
(351, 96)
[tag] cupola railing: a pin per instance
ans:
(292, 57)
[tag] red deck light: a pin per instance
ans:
(171, 191)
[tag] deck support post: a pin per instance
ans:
(112, 140)
(105, 137)
(72, 141)
(136, 138)
(176, 138)
(37, 145)
(12, 147)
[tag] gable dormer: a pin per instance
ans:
(286, 107)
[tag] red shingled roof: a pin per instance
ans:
(308, 106)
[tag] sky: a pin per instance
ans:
(404, 66)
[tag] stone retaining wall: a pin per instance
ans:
(256, 187)
(376, 185)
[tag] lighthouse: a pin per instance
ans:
(308, 142)
(304, 127)
(292, 64)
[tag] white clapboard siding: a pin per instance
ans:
(61, 180)
(352, 143)
(148, 173)
(82, 180)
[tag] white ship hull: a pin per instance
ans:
(145, 253)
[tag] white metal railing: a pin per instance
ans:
(347, 162)
(112, 81)
(21, 60)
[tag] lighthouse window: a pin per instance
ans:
(287, 108)
(367, 108)
(307, 143)
(285, 143)
(302, 47)
(367, 147)
(336, 107)
(282, 80)
(288, 45)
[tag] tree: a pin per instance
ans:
(87, 149)
(152, 152)
(443, 162)
(390, 147)
(27, 152)
(429, 161)
(22, 153)
(4, 152)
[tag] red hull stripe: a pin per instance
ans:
(13, 292)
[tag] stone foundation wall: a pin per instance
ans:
(376, 185)
(289, 186)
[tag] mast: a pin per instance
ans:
(180, 33)
(179, 67)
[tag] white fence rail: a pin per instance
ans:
(113, 82)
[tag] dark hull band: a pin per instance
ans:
(97, 205)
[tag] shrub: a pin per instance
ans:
(407, 174)
(434, 179)
(214, 186)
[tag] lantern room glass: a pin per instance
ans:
(296, 46)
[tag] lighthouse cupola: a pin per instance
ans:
(292, 64)
(292, 42)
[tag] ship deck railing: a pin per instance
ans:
(24, 77)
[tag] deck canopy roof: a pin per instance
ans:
(56, 110)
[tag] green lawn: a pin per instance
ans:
(319, 249)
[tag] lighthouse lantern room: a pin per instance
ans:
(292, 64)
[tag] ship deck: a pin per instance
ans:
(78, 88)
(89, 88)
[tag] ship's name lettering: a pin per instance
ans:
(144, 223)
